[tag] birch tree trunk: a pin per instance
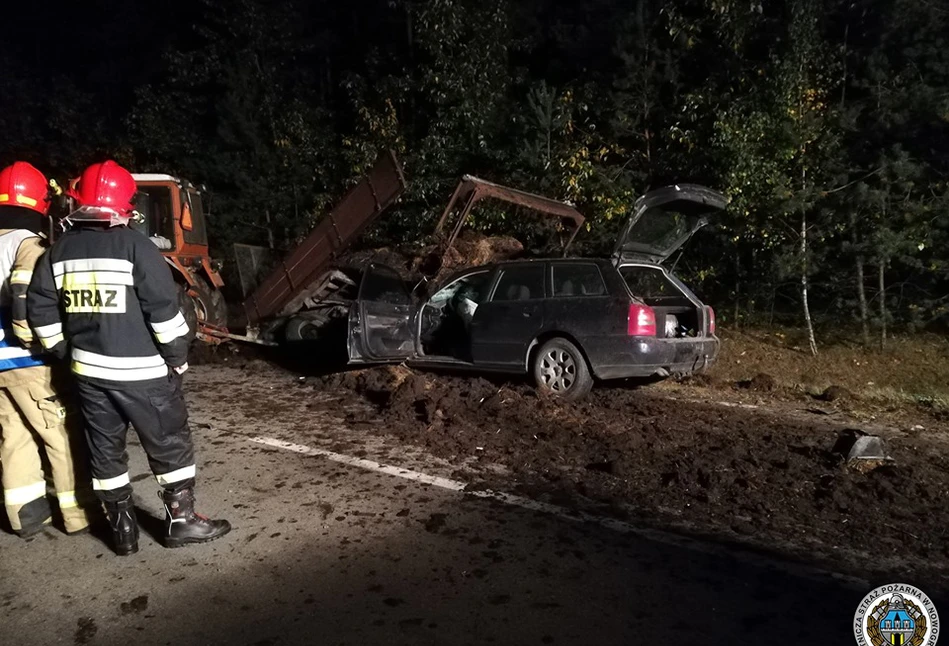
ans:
(861, 287)
(882, 286)
(269, 227)
(862, 299)
(736, 323)
(811, 340)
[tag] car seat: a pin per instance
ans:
(591, 289)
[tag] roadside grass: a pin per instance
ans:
(910, 371)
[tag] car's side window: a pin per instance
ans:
(383, 285)
(520, 284)
(577, 279)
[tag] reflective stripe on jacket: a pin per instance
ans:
(108, 296)
(19, 251)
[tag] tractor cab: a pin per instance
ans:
(172, 214)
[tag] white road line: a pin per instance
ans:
(455, 485)
(560, 512)
(369, 465)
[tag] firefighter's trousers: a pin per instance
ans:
(34, 423)
(159, 416)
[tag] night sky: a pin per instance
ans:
(106, 46)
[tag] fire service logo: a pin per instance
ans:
(896, 615)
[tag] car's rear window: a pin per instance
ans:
(577, 279)
(520, 284)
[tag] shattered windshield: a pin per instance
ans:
(472, 287)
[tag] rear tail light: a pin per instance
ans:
(711, 320)
(642, 321)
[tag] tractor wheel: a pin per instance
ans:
(209, 304)
(188, 308)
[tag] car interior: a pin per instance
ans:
(446, 317)
(676, 315)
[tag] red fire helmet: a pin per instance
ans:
(22, 185)
(104, 192)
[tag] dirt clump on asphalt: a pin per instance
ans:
(710, 468)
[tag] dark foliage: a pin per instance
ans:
(822, 117)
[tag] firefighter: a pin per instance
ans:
(32, 415)
(104, 294)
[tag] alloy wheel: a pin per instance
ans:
(558, 370)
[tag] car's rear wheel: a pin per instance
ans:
(561, 370)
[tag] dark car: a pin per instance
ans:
(567, 321)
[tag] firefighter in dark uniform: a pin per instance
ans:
(104, 295)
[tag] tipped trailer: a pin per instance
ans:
(309, 293)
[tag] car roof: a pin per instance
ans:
(601, 262)
(528, 261)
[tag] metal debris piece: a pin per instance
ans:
(868, 447)
(861, 450)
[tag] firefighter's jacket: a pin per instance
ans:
(106, 297)
(20, 249)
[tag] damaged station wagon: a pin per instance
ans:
(564, 321)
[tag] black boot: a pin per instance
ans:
(183, 525)
(34, 516)
(124, 526)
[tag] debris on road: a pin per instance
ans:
(689, 463)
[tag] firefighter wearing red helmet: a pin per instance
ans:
(105, 295)
(33, 418)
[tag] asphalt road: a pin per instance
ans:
(330, 553)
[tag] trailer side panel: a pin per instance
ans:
(359, 207)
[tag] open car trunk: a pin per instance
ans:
(664, 219)
(679, 313)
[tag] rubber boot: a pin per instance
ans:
(124, 526)
(32, 517)
(33, 530)
(183, 525)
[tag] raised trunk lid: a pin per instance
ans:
(664, 219)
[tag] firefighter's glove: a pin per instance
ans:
(180, 370)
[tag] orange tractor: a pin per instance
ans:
(172, 215)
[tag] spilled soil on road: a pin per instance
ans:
(762, 477)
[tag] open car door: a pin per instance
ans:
(380, 321)
(664, 219)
